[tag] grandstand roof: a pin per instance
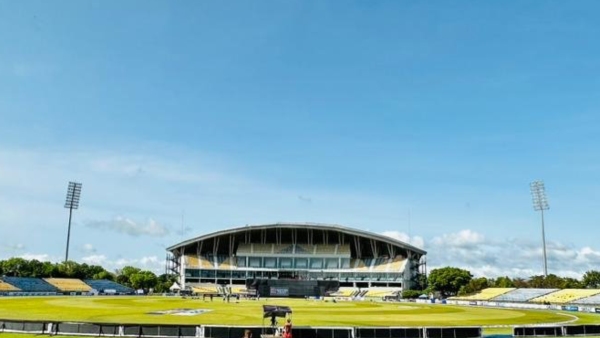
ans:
(292, 225)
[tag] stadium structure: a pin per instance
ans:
(295, 260)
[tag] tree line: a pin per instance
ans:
(129, 276)
(452, 281)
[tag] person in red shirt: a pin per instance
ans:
(287, 329)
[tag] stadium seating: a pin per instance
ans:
(382, 292)
(344, 292)
(68, 284)
(27, 284)
(485, 294)
(284, 249)
(206, 263)
(565, 296)
(205, 288)
(226, 263)
(522, 295)
(102, 285)
(595, 300)
(244, 249)
(262, 248)
(305, 249)
(323, 249)
(343, 249)
(4, 287)
(192, 261)
(358, 264)
(237, 289)
(381, 264)
(397, 264)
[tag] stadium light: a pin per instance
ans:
(540, 203)
(72, 202)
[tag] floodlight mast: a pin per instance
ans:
(540, 203)
(72, 202)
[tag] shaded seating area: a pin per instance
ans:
(589, 300)
(107, 286)
(382, 292)
(28, 284)
(205, 288)
(522, 295)
(566, 296)
(344, 292)
(5, 287)
(68, 284)
(486, 294)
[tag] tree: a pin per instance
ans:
(448, 280)
(520, 283)
(123, 280)
(553, 281)
(571, 283)
(537, 282)
(591, 279)
(411, 294)
(129, 270)
(475, 285)
(15, 266)
(164, 282)
(124, 276)
(143, 280)
(504, 282)
(104, 275)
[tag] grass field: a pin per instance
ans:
(249, 312)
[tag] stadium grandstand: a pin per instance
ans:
(523, 295)
(487, 294)
(29, 286)
(534, 296)
(296, 260)
(5, 287)
(68, 284)
(105, 286)
(565, 296)
(592, 300)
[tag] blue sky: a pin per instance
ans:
(426, 121)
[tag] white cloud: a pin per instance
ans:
(40, 257)
(462, 239)
(12, 247)
(95, 260)
(152, 263)
(416, 241)
(130, 227)
(89, 248)
(516, 258)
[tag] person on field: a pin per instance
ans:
(287, 329)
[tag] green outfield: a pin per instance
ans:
(249, 312)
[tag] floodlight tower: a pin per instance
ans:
(72, 202)
(540, 203)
